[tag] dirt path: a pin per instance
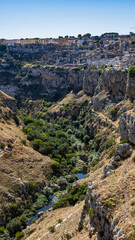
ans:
(58, 225)
(108, 120)
(68, 225)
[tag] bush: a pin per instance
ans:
(23, 141)
(100, 71)
(74, 195)
(34, 220)
(69, 131)
(55, 167)
(124, 141)
(16, 119)
(10, 145)
(52, 229)
(131, 71)
(41, 201)
(113, 112)
(32, 186)
(14, 226)
(59, 220)
(109, 143)
(2, 230)
(86, 138)
(2, 145)
(80, 226)
(112, 152)
(62, 182)
(48, 191)
(13, 210)
(19, 235)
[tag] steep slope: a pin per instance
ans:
(19, 162)
(108, 210)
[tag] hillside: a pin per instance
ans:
(56, 123)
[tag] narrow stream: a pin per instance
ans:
(53, 199)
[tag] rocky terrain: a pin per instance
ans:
(55, 122)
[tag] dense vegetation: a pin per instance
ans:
(68, 139)
(131, 71)
(72, 196)
(62, 140)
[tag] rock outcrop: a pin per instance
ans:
(9, 101)
(114, 82)
(127, 127)
(100, 101)
(101, 219)
(131, 87)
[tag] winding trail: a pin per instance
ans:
(58, 225)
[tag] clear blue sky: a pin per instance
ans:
(53, 18)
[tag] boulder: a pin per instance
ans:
(123, 150)
(100, 101)
(40, 214)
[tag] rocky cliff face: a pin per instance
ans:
(36, 81)
(102, 224)
(127, 127)
(114, 82)
(131, 87)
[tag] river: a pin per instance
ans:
(53, 199)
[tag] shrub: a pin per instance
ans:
(109, 143)
(34, 220)
(2, 230)
(41, 201)
(124, 141)
(80, 226)
(27, 120)
(19, 235)
(67, 236)
(113, 112)
(100, 71)
(48, 191)
(14, 226)
(59, 220)
(52, 229)
(131, 71)
(74, 195)
(63, 202)
(69, 131)
(86, 138)
(32, 186)
(10, 145)
(112, 152)
(2, 145)
(62, 182)
(44, 148)
(16, 119)
(23, 141)
(55, 167)
(13, 209)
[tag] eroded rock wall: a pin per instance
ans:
(39, 81)
(127, 127)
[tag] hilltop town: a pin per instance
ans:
(108, 49)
